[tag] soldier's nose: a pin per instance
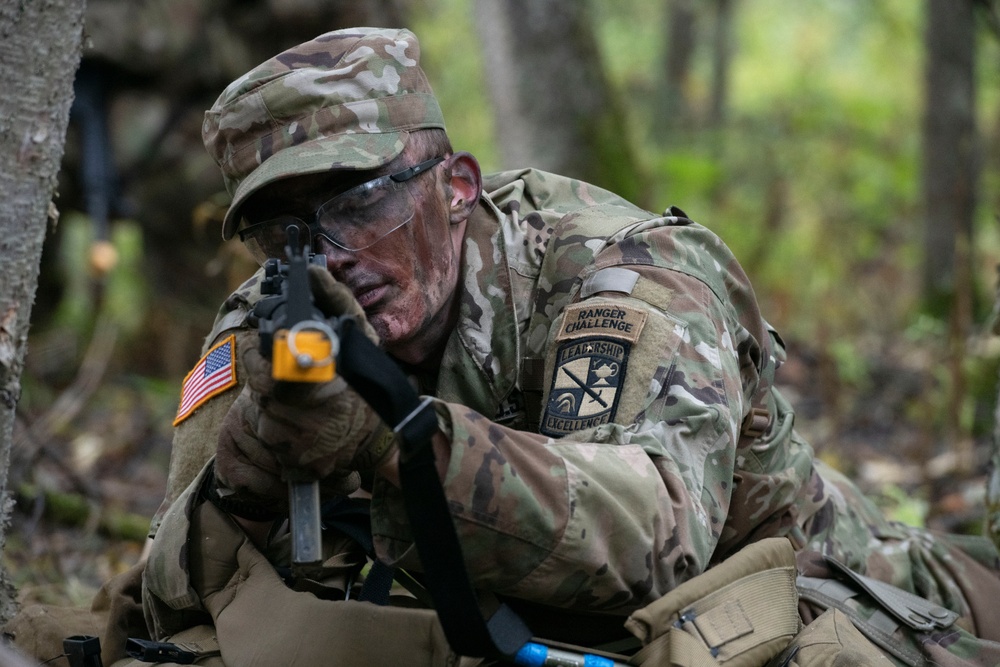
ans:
(338, 260)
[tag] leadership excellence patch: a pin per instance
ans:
(585, 386)
(214, 374)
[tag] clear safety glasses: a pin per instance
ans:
(353, 220)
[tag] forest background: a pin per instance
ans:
(807, 134)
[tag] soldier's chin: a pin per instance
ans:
(397, 340)
(387, 333)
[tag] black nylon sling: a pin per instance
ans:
(387, 390)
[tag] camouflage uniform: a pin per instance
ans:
(608, 396)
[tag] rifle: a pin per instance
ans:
(302, 347)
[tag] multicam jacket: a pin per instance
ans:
(594, 391)
(608, 396)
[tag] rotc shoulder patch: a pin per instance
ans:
(585, 384)
(214, 374)
(590, 364)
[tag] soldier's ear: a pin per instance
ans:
(465, 182)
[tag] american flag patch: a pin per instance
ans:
(215, 373)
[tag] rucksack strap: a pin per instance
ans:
(885, 610)
(916, 612)
(879, 627)
(352, 517)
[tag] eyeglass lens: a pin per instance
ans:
(353, 220)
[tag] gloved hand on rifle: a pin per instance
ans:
(323, 431)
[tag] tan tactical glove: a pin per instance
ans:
(308, 430)
(251, 473)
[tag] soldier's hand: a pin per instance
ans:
(250, 473)
(323, 431)
(335, 299)
(313, 428)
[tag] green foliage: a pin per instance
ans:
(814, 181)
(120, 294)
(851, 364)
(688, 170)
(127, 294)
(903, 506)
(982, 369)
(75, 510)
(617, 169)
(451, 56)
(76, 307)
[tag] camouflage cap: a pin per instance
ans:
(344, 100)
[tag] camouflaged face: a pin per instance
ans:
(344, 100)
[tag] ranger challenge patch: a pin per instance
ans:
(595, 340)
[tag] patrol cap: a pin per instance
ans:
(344, 100)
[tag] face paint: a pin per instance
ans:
(406, 280)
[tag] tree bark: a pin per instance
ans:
(950, 175)
(950, 169)
(722, 55)
(673, 103)
(553, 105)
(991, 523)
(40, 43)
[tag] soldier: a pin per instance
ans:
(602, 379)
(602, 376)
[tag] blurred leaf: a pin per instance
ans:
(852, 367)
(126, 295)
(900, 505)
(76, 307)
(122, 291)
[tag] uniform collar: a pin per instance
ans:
(480, 361)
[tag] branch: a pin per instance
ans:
(77, 510)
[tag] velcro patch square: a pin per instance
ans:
(586, 385)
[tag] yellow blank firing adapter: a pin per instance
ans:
(305, 353)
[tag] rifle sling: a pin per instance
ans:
(387, 390)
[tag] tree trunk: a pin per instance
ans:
(722, 55)
(673, 105)
(553, 106)
(950, 174)
(991, 526)
(991, 12)
(40, 42)
(950, 170)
